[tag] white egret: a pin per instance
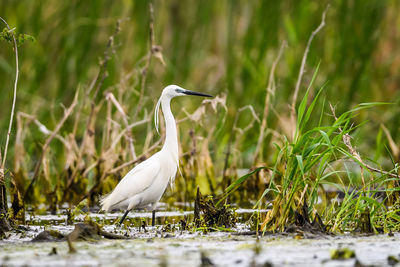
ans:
(145, 184)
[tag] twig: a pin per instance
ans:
(347, 141)
(87, 137)
(303, 194)
(102, 74)
(42, 128)
(126, 164)
(14, 100)
(270, 91)
(152, 50)
(128, 128)
(250, 124)
(97, 82)
(240, 133)
(302, 67)
(113, 144)
(108, 126)
(392, 144)
(128, 134)
(46, 145)
(3, 201)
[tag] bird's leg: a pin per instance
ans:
(123, 217)
(153, 217)
(143, 226)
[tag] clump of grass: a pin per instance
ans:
(314, 159)
(311, 156)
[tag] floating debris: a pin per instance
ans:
(91, 231)
(85, 232)
(342, 254)
(49, 236)
(53, 251)
(220, 216)
(205, 261)
(392, 260)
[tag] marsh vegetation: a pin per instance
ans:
(303, 129)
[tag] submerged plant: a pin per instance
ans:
(207, 214)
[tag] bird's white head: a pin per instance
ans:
(174, 90)
(170, 92)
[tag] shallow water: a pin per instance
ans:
(182, 248)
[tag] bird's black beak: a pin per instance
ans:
(188, 92)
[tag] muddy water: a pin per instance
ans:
(182, 248)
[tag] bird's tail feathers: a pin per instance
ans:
(105, 202)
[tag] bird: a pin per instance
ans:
(144, 185)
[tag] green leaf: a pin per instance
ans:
(22, 38)
(235, 185)
(302, 107)
(8, 36)
(300, 161)
(311, 108)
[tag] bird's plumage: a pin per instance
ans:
(145, 184)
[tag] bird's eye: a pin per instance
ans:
(179, 91)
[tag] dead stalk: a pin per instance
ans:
(128, 133)
(139, 158)
(113, 145)
(270, 91)
(14, 100)
(42, 128)
(88, 134)
(128, 128)
(108, 123)
(154, 50)
(3, 200)
(87, 143)
(250, 124)
(303, 194)
(67, 113)
(102, 74)
(347, 141)
(302, 69)
(239, 135)
(395, 149)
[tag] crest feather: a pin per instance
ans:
(156, 115)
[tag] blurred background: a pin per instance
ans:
(225, 48)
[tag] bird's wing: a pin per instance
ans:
(134, 182)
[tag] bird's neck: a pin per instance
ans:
(171, 137)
